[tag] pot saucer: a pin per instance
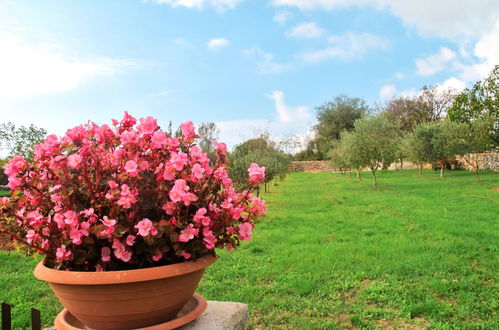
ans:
(191, 310)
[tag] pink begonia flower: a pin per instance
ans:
(169, 208)
(31, 236)
(186, 255)
(59, 220)
(128, 120)
(14, 166)
(88, 212)
(209, 239)
(245, 230)
(179, 190)
(74, 161)
(131, 168)
(75, 236)
(147, 125)
(169, 173)
(84, 227)
(130, 240)
(188, 132)
(145, 227)
(144, 165)
(226, 204)
(105, 254)
(129, 137)
(188, 233)
(108, 222)
(222, 147)
(256, 173)
(197, 171)
(178, 160)
(157, 255)
(158, 140)
(70, 217)
(14, 183)
(61, 254)
(112, 184)
(188, 198)
(121, 252)
(200, 213)
(99, 268)
(109, 196)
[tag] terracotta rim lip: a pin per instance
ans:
(62, 323)
(122, 276)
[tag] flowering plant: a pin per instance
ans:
(124, 197)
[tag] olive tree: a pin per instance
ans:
(374, 142)
(448, 141)
(478, 138)
(20, 140)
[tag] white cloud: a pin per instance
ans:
(282, 16)
(219, 5)
(452, 83)
(435, 63)
(346, 47)
(265, 61)
(286, 113)
(217, 43)
(387, 92)
(308, 30)
(444, 18)
(28, 68)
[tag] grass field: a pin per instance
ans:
(334, 253)
(4, 193)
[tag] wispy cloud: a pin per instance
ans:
(282, 16)
(308, 30)
(435, 62)
(286, 113)
(265, 61)
(219, 5)
(346, 47)
(32, 68)
(217, 43)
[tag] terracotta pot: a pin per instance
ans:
(126, 299)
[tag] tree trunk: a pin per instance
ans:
(401, 164)
(420, 169)
(477, 168)
(442, 169)
(350, 172)
(358, 175)
(374, 179)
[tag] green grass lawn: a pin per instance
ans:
(4, 193)
(334, 253)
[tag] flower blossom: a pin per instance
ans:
(245, 230)
(145, 227)
(74, 161)
(188, 233)
(188, 132)
(62, 254)
(256, 173)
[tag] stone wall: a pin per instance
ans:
(486, 161)
(311, 166)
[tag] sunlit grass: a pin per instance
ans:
(335, 253)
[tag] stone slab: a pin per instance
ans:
(219, 315)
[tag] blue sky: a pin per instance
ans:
(249, 65)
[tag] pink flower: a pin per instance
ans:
(145, 227)
(130, 240)
(198, 217)
(209, 239)
(179, 190)
(59, 220)
(105, 254)
(112, 184)
(157, 255)
(197, 171)
(75, 235)
(61, 254)
(108, 222)
(188, 198)
(70, 217)
(14, 183)
(129, 137)
(31, 236)
(186, 255)
(187, 129)
(158, 140)
(74, 161)
(128, 120)
(221, 147)
(188, 233)
(131, 168)
(121, 252)
(245, 231)
(169, 208)
(256, 173)
(178, 160)
(144, 165)
(147, 125)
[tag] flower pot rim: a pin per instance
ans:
(122, 276)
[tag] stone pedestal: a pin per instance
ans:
(220, 315)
